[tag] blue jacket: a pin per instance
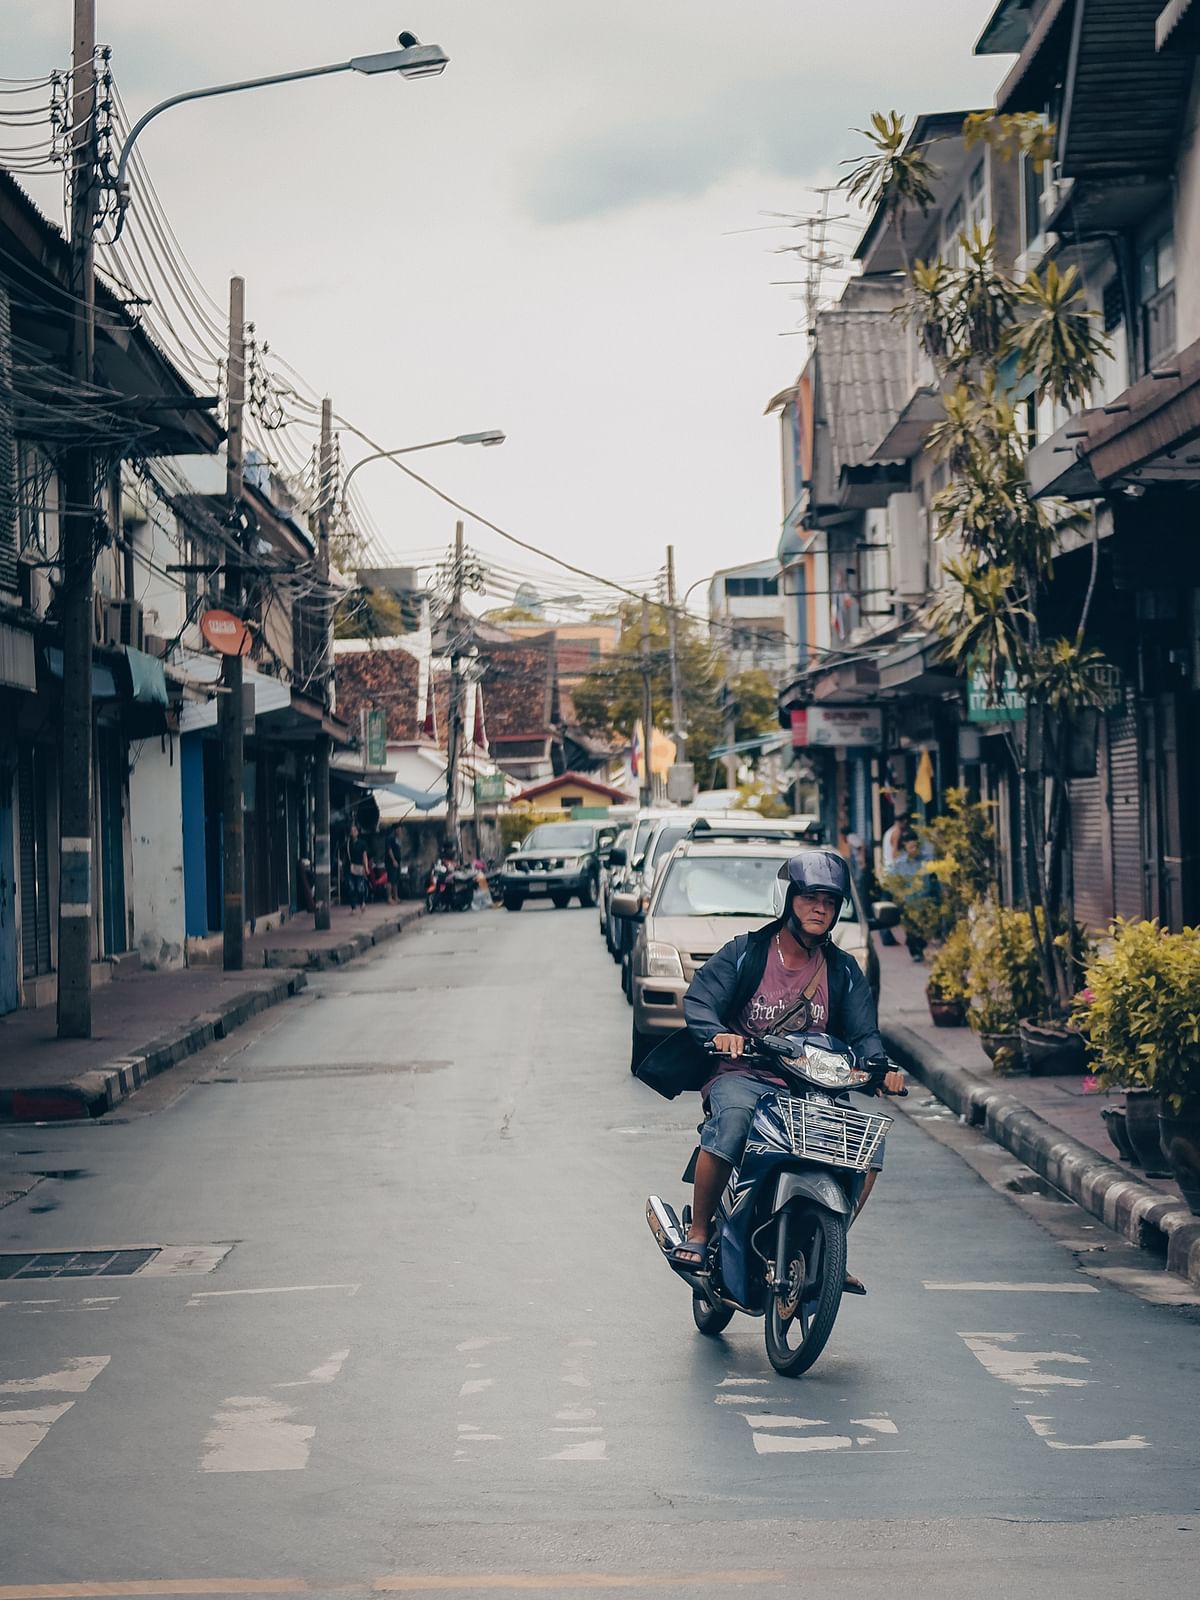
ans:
(724, 985)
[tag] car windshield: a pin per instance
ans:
(642, 837)
(725, 886)
(559, 836)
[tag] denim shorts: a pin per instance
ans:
(731, 1101)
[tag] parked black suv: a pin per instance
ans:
(558, 860)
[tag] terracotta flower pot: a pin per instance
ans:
(1142, 1107)
(1003, 1050)
(946, 1013)
(1180, 1138)
(1049, 1048)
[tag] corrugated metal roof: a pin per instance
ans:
(863, 357)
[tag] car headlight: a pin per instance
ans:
(662, 961)
(828, 1069)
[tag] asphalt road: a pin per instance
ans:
(438, 1350)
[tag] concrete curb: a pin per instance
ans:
(309, 959)
(1144, 1216)
(93, 1093)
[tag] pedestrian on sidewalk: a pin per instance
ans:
(911, 867)
(890, 851)
(393, 863)
(358, 866)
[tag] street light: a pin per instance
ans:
(489, 437)
(412, 60)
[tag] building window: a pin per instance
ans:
(977, 201)
(952, 247)
(1156, 299)
(37, 514)
(745, 587)
(1034, 183)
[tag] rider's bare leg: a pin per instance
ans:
(712, 1174)
(868, 1185)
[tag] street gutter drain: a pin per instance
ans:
(77, 1264)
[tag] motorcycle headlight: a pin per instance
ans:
(662, 961)
(828, 1069)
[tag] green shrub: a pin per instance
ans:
(948, 970)
(1140, 1010)
(962, 843)
(1003, 977)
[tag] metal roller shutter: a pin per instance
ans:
(1093, 900)
(1128, 856)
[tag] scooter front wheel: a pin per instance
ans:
(810, 1275)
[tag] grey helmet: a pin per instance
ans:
(811, 869)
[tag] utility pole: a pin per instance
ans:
(232, 711)
(673, 635)
(645, 779)
(455, 718)
(325, 490)
(730, 709)
(78, 529)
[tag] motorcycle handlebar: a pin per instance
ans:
(877, 1069)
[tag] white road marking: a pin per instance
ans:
(480, 1344)
(764, 1419)
(475, 1386)
(252, 1433)
(185, 1260)
(325, 1373)
(876, 1424)
(1014, 1288)
(740, 1400)
(575, 1414)
(729, 1383)
(22, 1431)
(203, 1296)
(771, 1444)
(585, 1450)
(74, 1378)
(1042, 1427)
(1023, 1368)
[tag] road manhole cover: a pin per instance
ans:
(77, 1264)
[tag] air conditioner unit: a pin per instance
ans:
(124, 624)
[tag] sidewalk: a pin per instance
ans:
(146, 1022)
(1051, 1123)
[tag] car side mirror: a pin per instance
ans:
(625, 905)
(884, 914)
(639, 862)
(616, 857)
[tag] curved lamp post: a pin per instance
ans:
(412, 60)
(490, 436)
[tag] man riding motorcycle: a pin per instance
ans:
(787, 977)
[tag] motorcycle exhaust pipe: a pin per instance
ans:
(664, 1224)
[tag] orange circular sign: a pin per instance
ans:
(225, 632)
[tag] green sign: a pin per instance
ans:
(1005, 704)
(376, 737)
(489, 787)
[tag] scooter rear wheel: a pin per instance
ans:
(710, 1319)
(810, 1261)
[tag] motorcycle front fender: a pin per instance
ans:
(817, 1187)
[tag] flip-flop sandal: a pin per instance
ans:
(853, 1285)
(692, 1249)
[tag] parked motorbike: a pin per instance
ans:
(777, 1246)
(449, 888)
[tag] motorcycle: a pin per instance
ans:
(449, 888)
(777, 1246)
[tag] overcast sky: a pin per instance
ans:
(545, 239)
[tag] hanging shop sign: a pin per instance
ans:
(489, 788)
(225, 633)
(837, 727)
(985, 704)
(376, 736)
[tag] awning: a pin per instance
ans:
(421, 798)
(18, 659)
(147, 678)
(1178, 27)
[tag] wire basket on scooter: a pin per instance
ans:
(834, 1135)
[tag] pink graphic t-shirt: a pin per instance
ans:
(778, 994)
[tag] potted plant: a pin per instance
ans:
(1142, 1020)
(1003, 981)
(946, 991)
